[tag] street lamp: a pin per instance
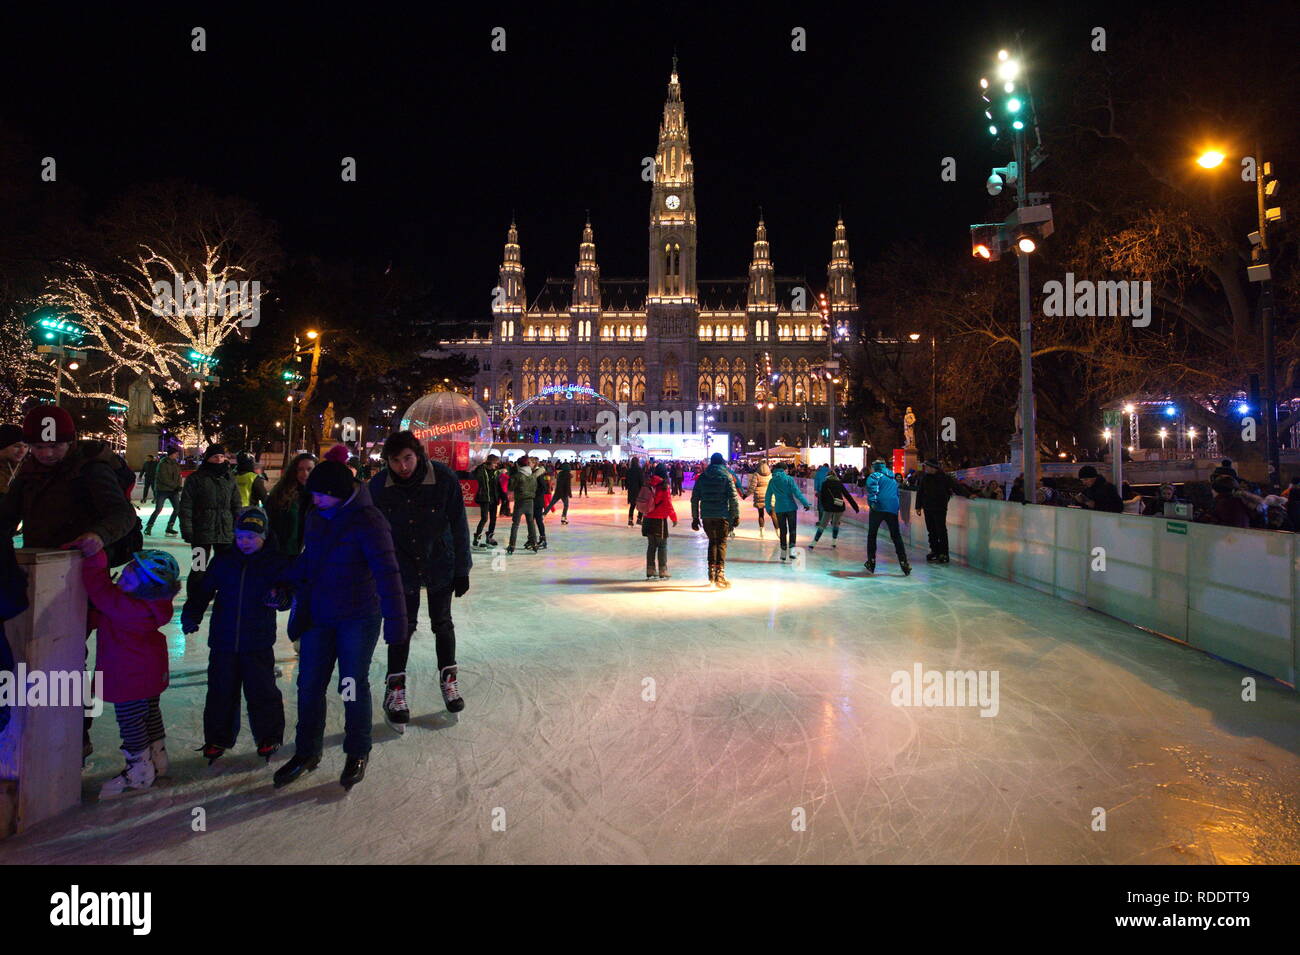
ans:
(1191, 433)
(1261, 271)
(1164, 433)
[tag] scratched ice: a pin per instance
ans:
(611, 719)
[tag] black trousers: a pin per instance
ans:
(487, 514)
(717, 528)
(873, 527)
(254, 671)
(444, 630)
(936, 525)
(786, 522)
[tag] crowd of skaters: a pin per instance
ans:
(350, 551)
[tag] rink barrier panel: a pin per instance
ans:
(40, 749)
(1230, 592)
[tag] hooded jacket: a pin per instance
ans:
(782, 493)
(348, 569)
(487, 493)
(241, 620)
(167, 477)
(663, 503)
(882, 491)
(59, 503)
(714, 495)
(834, 495)
(130, 650)
(635, 480)
(758, 483)
(523, 485)
(209, 506)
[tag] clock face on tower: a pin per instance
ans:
(672, 202)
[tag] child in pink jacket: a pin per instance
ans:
(131, 653)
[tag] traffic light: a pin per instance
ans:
(986, 241)
(1005, 97)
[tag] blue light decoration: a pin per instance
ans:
(1171, 411)
(1244, 408)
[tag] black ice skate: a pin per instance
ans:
(870, 564)
(907, 568)
(396, 712)
(451, 689)
(267, 750)
(212, 752)
(931, 558)
(354, 770)
(943, 559)
(295, 767)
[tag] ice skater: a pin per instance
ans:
(779, 499)
(523, 488)
(563, 491)
(423, 504)
(715, 505)
(486, 495)
(882, 498)
(831, 500)
(131, 652)
(352, 585)
(758, 482)
(654, 528)
(935, 489)
(634, 479)
(241, 638)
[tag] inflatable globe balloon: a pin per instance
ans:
(442, 420)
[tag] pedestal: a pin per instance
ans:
(40, 749)
(140, 443)
(911, 460)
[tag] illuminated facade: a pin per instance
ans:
(672, 340)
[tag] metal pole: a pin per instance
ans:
(1029, 434)
(1266, 317)
(288, 435)
(198, 447)
(934, 396)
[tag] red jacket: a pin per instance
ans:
(663, 506)
(130, 651)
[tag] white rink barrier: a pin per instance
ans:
(1230, 592)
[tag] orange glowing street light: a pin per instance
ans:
(1209, 159)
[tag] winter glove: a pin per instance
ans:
(460, 586)
(189, 626)
(89, 544)
(695, 525)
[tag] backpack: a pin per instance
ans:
(645, 500)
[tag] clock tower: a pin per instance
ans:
(672, 206)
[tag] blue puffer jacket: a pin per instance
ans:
(783, 491)
(241, 620)
(715, 495)
(820, 478)
(348, 568)
(430, 530)
(882, 492)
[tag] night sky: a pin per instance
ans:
(450, 137)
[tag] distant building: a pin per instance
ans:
(670, 341)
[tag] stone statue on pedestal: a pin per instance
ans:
(909, 429)
(141, 432)
(139, 404)
(327, 424)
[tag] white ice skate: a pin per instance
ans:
(158, 756)
(137, 777)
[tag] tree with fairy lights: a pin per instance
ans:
(181, 271)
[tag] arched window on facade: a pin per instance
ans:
(705, 369)
(672, 378)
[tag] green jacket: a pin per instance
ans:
(209, 505)
(715, 495)
(168, 477)
(523, 486)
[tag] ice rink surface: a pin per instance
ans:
(613, 719)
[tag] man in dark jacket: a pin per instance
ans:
(209, 506)
(563, 491)
(148, 471)
(348, 582)
(634, 478)
(1098, 493)
(423, 503)
(486, 496)
(932, 495)
(241, 638)
(715, 502)
(167, 487)
(66, 491)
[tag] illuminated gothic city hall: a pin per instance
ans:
(670, 341)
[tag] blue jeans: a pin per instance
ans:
(351, 643)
